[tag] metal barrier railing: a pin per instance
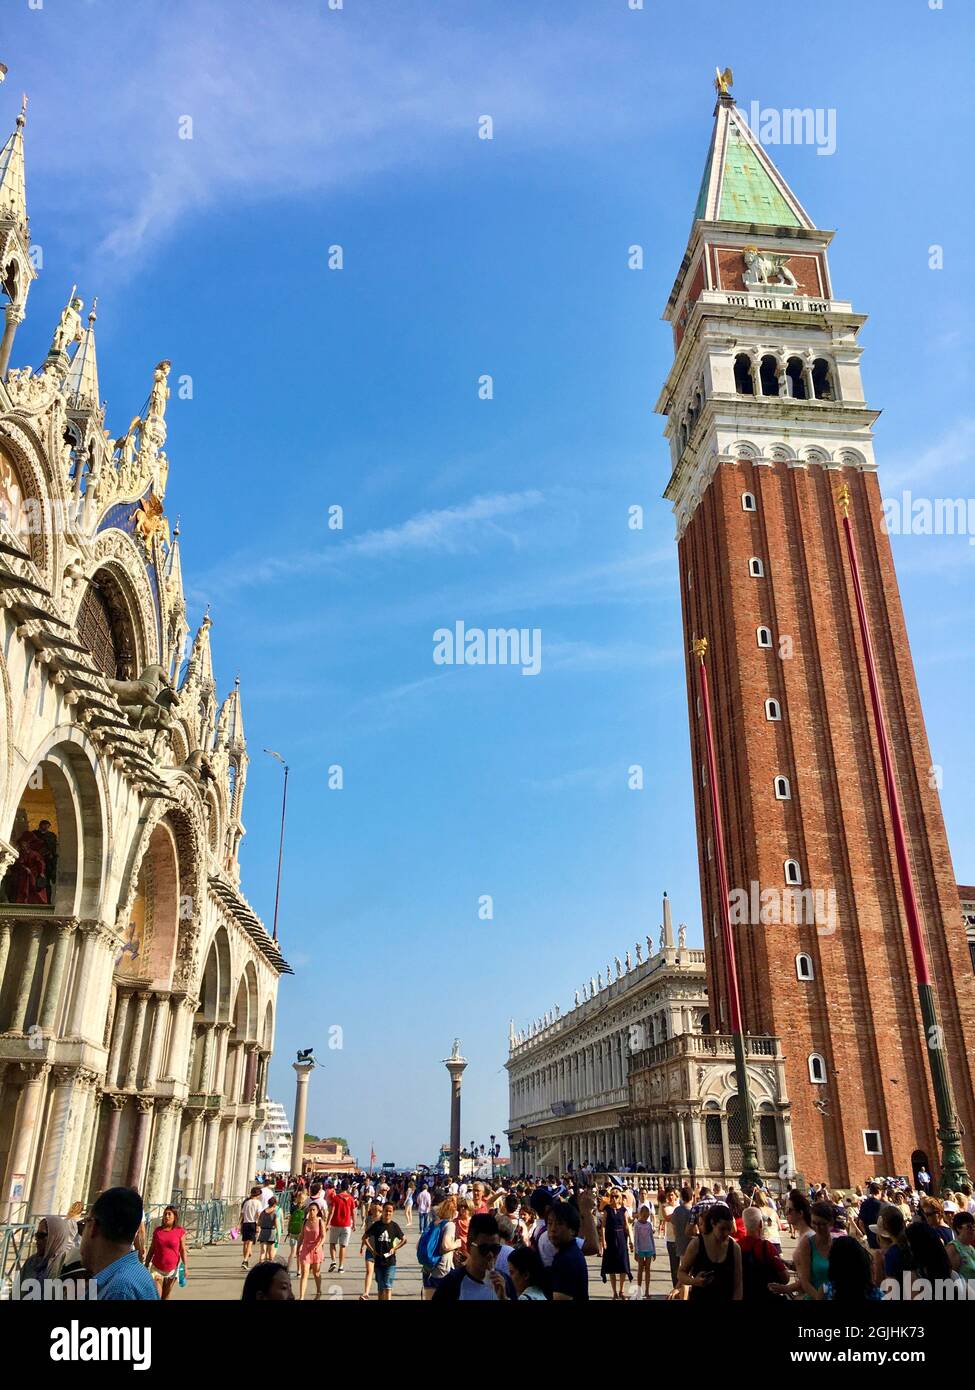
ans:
(16, 1243)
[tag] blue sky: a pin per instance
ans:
(358, 388)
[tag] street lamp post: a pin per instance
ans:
(523, 1145)
(284, 807)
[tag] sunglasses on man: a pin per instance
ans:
(488, 1251)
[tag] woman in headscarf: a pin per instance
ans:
(55, 1239)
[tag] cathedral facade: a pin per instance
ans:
(137, 986)
(768, 426)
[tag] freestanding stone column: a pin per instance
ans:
(303, 1069)
(455, 1065)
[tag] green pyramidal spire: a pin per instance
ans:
(741, 184)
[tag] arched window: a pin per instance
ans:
(764, 635)
(690, 580)
(755, 568)
(793, 873)
(783, 791)
(748, 502)
(817, 1069)
(797, 379)
(804, 967)
(772, 709)
(822, 380)
(769, 375)
(104, 626)
(743, 375)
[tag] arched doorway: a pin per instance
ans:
(149, 939)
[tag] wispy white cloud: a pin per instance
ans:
(283, 99)
(466, 527)
(954, 449)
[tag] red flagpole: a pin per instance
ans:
(953, 1173)
(750, 1175)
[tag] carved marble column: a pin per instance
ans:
(122, 1003)
(52, 1155)
(4, 948)
(222, 1031)
(177, 1061)
(194, 1176)
(137, 1153)
(242, 1176)
(208, 1174)
(160, 1019)
(261, 1093)
(159, 1179)
(55, 982)
(250, 1072)
(85, 976)
(106, 1155)
(69, 1185)
(24, 985)
(206, 1070)
(135, 1047)
(24, 1129)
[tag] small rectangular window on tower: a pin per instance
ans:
(871, 1141)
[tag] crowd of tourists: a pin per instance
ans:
(531, 1240)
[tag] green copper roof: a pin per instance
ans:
(741, 184)
(702, 197)
(748, 194)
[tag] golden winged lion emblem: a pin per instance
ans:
(150, 522)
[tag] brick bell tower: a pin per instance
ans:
(766, 420)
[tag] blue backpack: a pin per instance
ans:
(428, 1248)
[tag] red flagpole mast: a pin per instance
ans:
(749, 1154)
(953, 1172)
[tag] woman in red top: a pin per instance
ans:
(166, 1249)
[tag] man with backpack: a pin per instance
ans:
(436, 1246)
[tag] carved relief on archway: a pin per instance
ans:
(26, 451)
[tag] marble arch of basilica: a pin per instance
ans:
(137, 986)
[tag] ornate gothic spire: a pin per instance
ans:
(81, 382)
(13, 191)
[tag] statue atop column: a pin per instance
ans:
(682, 936)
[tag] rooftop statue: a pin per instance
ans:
(69, 328)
